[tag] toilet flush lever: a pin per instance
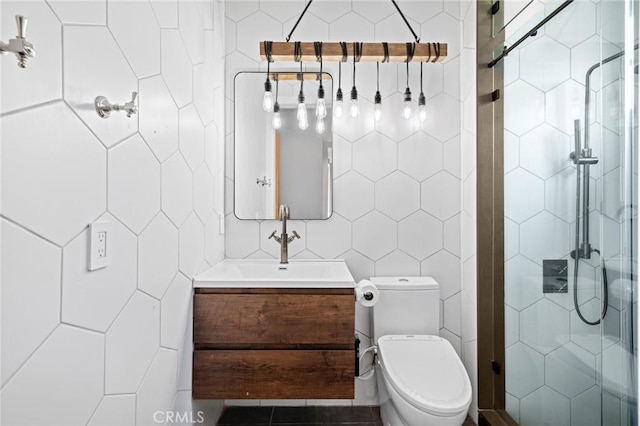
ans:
(19, 45)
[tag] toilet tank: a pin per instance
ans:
(407, 305)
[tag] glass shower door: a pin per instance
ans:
(570, 143)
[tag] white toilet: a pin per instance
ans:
(421, 380)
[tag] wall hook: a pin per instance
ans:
(19, 45)
(104, 107)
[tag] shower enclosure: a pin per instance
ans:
(570, 213)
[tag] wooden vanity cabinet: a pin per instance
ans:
(274, 343)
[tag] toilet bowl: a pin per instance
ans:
(421, 380)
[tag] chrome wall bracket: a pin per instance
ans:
(104, 107)
(19, 45)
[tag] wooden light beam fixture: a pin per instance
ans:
(371, 52)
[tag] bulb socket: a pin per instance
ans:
(276, 107)
(267, 85)
(300, 97)
(339, 95)
(320, 92)
(422, 100)
(354, 93)
(378, 98)
(407, 95)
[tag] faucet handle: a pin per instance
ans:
(22, 21)
(273, 234)
(295, 234)
(133, 108)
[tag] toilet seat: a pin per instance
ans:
(426, 372)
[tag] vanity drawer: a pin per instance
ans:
(274, 321)
(273, 374)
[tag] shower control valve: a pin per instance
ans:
(19, 45)
(104, 107)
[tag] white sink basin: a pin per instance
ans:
(271, 274)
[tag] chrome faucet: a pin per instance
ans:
(284, 239)
(104, 107)
(19, 45)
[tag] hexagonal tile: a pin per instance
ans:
(451, 82)
(329, 238)
(237, 10)
(392, 124)
(564, 104)
(443, 27)
(511, 326)
(176, 67)
(246, 234)
(30, 296)
(353, 195)
(442, 108)
(441, 195)
(511, 238)
(588, 53)
(375, 235)
(284, 10)
(89, 72)
(397, 195)
(545, 151)
(341, 156)
(158, 387)
(393, 29)
(313, 28)
(70, 12)
(68, 393)
(586, 408)
(544, 406)
(570, 370)
(420, 235)
(452, 156)
(521, 205)
(368, 81)
(132, 341)
(559, 194)
(191, 136)
(525, 370)
(203, 97)
(134, 183)
(520, 117)
(71, 173)
(375, 156)
(115, 410)
(174, 312)
(544, 326)
(373, 11)
(43, 75)
(613, 115)
(445, 268)
(92, 299)
(452, 235)
(550, 72)
(351, 128)
(511, 151)
(191, 28)
(330, 10)
(420, 156)
(361, 267)
(522, 282)
(166, 11)
(272, 247)
(575, 26)
(584, 334)
(157, 256)
(397, 263)
(452, 314)
(544, 236)
(254, 29)
(177, 189)
(135, 27)
(422, 11)
(203, 192)
(191, 246)
(158, 117)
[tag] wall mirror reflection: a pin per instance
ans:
(283, 145)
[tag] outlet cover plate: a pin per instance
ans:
(100, 245)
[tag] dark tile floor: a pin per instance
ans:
(289, 416)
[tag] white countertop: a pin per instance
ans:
(271, 274)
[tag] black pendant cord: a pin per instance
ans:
(317, 45)
(415, 36)
(378, 76)
(339, 75)
(407, 74)
(420, 77)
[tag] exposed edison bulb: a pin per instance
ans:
(422, 113)
(354, 109)
(377, 112)
(277, 121)
(267, 101)
(407, 110)
(320, 126)
(338, 109)
(302, 112)
(303, 123)
(321, 108)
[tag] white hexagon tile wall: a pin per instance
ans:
(109, 346)
(398, 186)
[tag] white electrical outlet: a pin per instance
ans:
(100, 245)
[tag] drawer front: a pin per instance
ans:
(274, 320)
(273, 374)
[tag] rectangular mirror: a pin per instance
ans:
(285, 166)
